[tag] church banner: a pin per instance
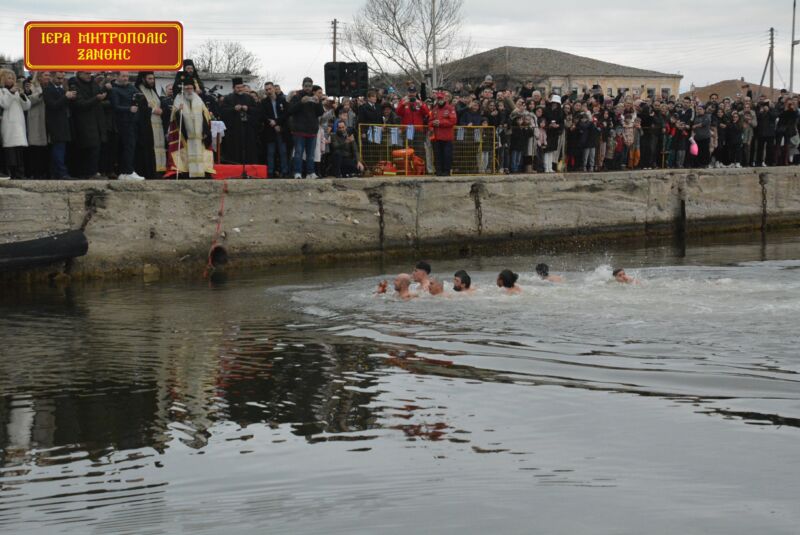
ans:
(100, 46)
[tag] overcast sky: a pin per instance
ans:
(705, 41)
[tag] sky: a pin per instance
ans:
(705, 41)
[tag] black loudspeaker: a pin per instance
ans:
(346, 79)
(333, 78)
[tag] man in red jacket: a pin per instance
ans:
(443, 118)
(412, 110)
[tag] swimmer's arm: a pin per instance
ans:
(382, 286)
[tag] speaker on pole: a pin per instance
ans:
(346, 79)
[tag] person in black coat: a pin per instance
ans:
(370, 112)
(554, 116)
(304, 110)
(241, 115)
(786, 130)
(188, 76)
(56, 100)
(274, 114)
(88, 123)
(767, 117)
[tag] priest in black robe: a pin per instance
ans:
(241, 116)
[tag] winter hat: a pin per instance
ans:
(555, 99)
(488, 78)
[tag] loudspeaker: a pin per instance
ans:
(346, 79)
(333, 78)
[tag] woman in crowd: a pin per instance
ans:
(13, 130)
(36, 155)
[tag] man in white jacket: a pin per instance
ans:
(12, 127)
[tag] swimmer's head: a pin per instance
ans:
(402, 282)
(619, 275)
(437, 287)
(421, 271)
(507, 279)
(543, 270)
(461, 281)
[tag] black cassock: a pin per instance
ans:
(241, 139)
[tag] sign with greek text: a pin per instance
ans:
(99, 46)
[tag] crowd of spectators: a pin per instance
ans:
(105, 126)
(596, 132)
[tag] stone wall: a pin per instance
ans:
(170, 224)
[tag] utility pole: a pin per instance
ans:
(794, 44)
(433, 39)
(771, 61)
(335, 25)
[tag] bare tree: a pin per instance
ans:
(224, 56)
(395, 37)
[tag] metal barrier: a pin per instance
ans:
(407, 149)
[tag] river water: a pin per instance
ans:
(295, 401)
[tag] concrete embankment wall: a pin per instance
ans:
(170, 224)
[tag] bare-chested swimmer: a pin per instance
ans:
(543, 270)
(401, 285)
(437, 288)
(507, 280)
(421, 275)
(623, 278)
(462, 282)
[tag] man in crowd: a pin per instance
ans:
(241, 116)
(125, 100)
(274, 114)
(56, 100)
(344, 155)
(411, 110)
(88, 124)
(443, 118)
(190, 135)
(151, 153)
(304, 111)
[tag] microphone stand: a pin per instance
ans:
(243, 151)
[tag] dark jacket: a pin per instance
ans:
(588, 135)
(304, 115)
(87, 115)
(340, 145)
(702, 127)
(56, 114)
(369, 114)
(787, 123)
(122, 98)
(277, 114)
(468, 117)
(766, 122)
(553, 133)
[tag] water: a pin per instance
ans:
(295, 401)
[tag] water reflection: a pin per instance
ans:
(108, 393)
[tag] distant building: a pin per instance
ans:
(731, 89)
(558, 72)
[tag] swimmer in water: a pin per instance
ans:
(507, 280)
(462, 282)
(437, 288)
(623, 278)
(421, 275)
(401, 285)
(543, 270)
(382, 287)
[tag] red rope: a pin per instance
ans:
(221, 214)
